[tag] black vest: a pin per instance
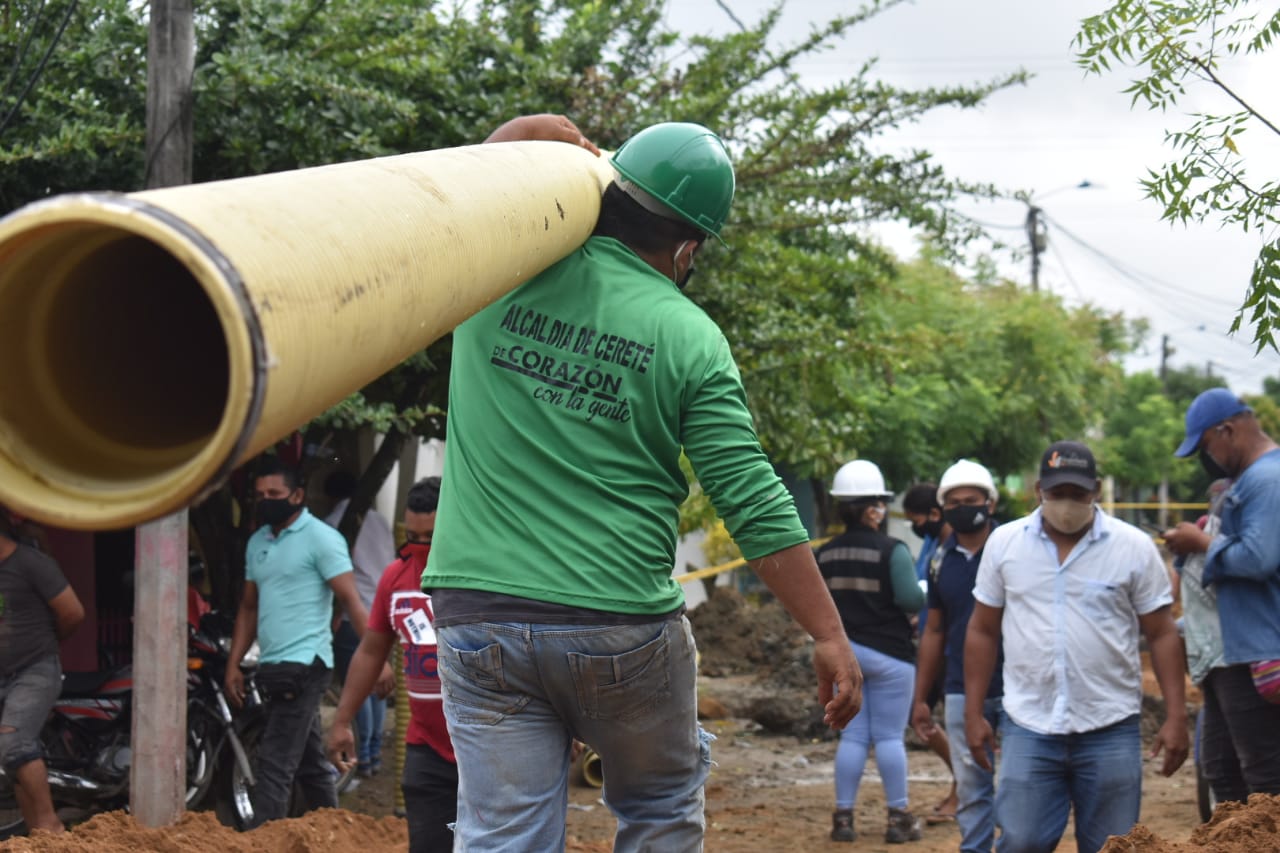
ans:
(855, 566)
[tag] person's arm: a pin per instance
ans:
(1167, 661)
(928, 664)
(68, 612)
(1253, 551)
(981, 646)
(344, 590)
(907, 594)
(544, 127)
(242, 636)
(366, 665)
(792, 576)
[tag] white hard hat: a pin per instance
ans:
(859, 479)
(966, 473)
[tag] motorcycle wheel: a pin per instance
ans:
(235, 802)
(11, 822)
(202, 734)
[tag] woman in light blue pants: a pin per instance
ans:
(872, 579)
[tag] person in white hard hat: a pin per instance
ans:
(967, 494)
(873, 582)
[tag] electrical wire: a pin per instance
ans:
(44, 60)
(1132, 273)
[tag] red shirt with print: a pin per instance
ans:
(400, 607)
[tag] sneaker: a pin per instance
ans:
(903, 826)
(842, 825)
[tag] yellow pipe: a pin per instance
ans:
(153, 341)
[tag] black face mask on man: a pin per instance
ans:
(1211, 466)
(932, 527)
(967, 519)
(274, 511)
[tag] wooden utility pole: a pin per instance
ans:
(157, 782)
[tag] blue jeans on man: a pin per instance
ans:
(975, 787)
(1042, 777)
(517, 694)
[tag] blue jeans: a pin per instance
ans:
(1043, 776)
(515, 696)
(975, 787)
(887, 685)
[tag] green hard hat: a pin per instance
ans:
(685, 167)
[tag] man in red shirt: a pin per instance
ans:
(400, 608)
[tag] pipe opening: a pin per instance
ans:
(123, 369)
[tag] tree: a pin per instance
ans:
(1142, 427)
(1180, 45)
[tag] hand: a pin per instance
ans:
(340, 746)
(1186, 538)
(922, 721)
(544, 127)
(839, 681)
(576, 750)
(386, 682)
(982, 740)
(1173, 739)
(233, 683)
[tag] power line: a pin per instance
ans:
(44, 60)
(1132, 273)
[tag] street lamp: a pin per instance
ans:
(1037, 239)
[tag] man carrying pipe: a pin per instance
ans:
(571, 400)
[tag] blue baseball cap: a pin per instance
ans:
(1211, 408)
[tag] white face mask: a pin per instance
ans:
(1066, 516)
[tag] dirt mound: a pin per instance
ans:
(1234, 828)
(200, 832)
(736, 637)
(767, 654)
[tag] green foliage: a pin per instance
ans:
(1180, 45)
(1142, 428)
(990, 373)
(72, 97)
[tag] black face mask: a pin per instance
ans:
(967, 519)
(684, 282)
(274, 511)
(1211, 466)
(930, 528)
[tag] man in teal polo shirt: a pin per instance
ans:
(570, 401)
(295, 565)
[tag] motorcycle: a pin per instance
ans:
(86, 738)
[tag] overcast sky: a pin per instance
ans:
(1107, 244)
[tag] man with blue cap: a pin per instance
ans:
(1241, 737)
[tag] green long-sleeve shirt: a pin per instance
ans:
(570, 401)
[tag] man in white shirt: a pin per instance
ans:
(1069, 588)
